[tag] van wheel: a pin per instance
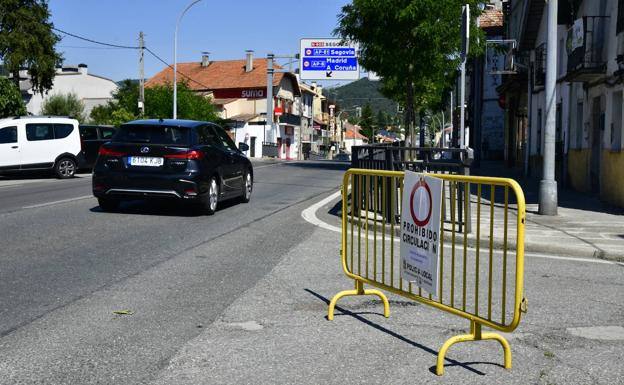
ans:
(65, 168)
(212, 198)
(108, 205)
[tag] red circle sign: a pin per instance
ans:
(421, 184)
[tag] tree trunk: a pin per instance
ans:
(16, 79)
(409, 113)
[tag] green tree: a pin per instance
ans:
(412, 44)
(158, 104)
(11, 103)
(27, 41)
(64, 105)
(366, 123)
(382, 120)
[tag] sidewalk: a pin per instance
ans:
(584, 226)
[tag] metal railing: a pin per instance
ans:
(417, 159)
(479, 278)
(591, 55)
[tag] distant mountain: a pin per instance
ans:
(359, 93)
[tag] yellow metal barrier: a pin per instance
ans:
(487, 265)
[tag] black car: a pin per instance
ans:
(91, 138)
(178, 159)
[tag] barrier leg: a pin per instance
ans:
(475, 335)
(359, 290)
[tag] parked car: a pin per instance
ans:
(92, 138)
(40, 143)
(182, 160)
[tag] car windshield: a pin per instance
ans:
(153, 135)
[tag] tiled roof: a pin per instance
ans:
(491, 18)
(353, 132)
(217, 75)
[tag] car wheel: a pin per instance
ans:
(65, 168)
(247, 187)
(108, 205)
(212, 199)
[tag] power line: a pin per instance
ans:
(117, 46)
(94, 41)
(170, 66)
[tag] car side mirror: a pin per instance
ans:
(243, 146)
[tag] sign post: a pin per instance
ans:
(328, 59)
(420, 230)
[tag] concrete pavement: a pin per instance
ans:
(277, 332)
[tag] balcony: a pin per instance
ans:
(587, 60)
(290, 119)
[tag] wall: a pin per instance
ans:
(612, 177)
(92, 90)
(578, 162)
(244, 135)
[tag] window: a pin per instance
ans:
(153, 134)
(107, 132)
(62, 130)
(88, 132)
(37, 131)
(225, 139)
(616, 122)
(620, 16)
(207, 136)
(579, 124)
(8, 135)
(539, 132)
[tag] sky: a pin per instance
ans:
(224, 28)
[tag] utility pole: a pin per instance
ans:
(270, 72)
(141, 75)
(462, 85)
(548, 185)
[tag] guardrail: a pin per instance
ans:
(481, 284)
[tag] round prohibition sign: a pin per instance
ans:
(421, 184)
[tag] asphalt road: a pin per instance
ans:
(66, 267)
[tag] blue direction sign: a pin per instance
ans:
(328, 59)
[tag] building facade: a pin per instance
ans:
(92, 90)
(589, 93)
(239, 90)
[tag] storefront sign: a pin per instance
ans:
(241, 93)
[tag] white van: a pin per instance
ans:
(40, 143)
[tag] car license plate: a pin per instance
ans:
(145, 161)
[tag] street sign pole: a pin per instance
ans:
(548, 185)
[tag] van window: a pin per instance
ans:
(62, 130)
(88, 132)
(8, 135)
(39, 131)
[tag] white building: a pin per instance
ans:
(92, 90)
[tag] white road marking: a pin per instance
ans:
(58, 202)
(309, 215)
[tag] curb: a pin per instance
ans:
(529, 247)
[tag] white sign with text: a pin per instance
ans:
(420, 230)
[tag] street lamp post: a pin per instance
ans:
(175, 59)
